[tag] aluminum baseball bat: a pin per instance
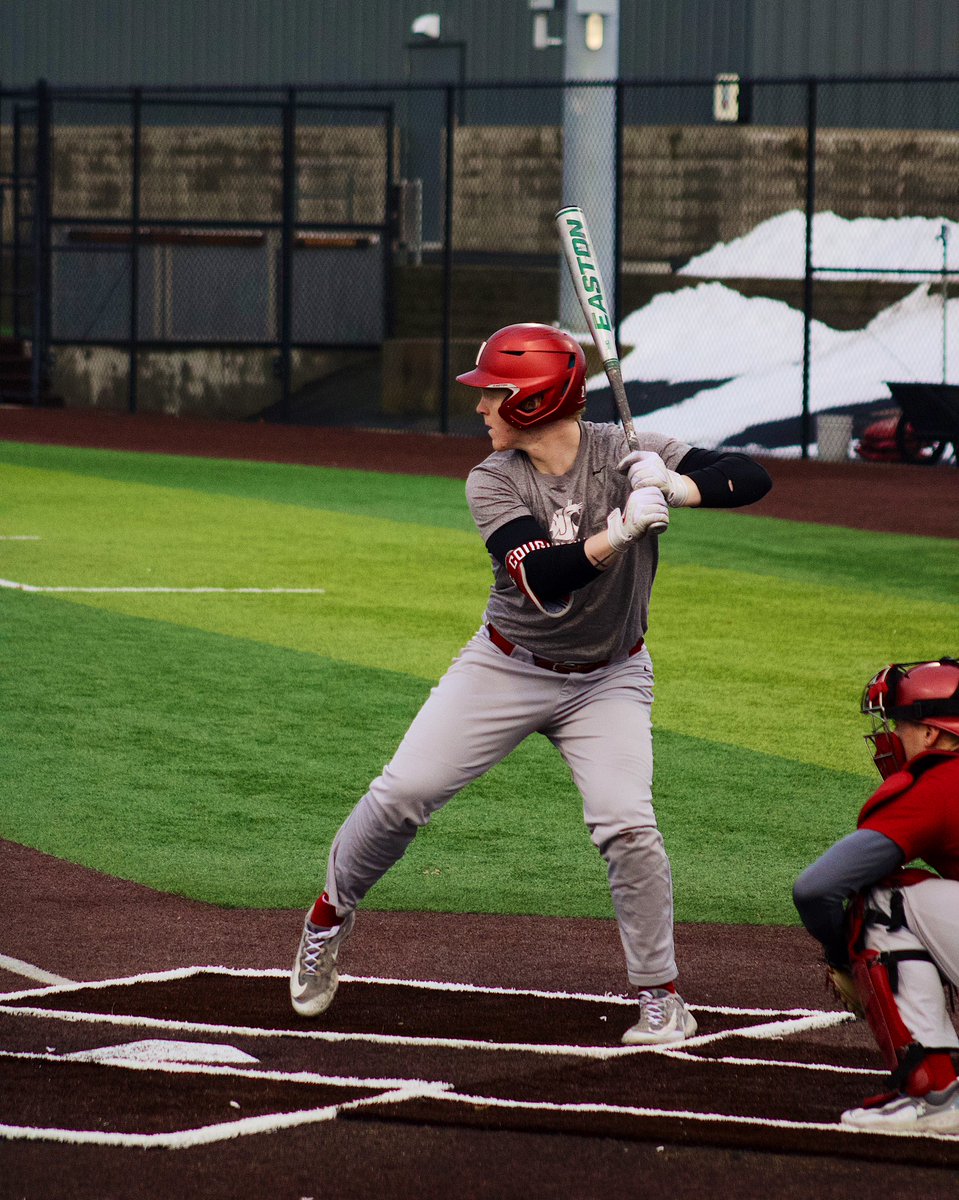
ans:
(597, 307)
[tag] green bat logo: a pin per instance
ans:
(591, 282)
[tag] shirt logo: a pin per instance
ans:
(564, 527)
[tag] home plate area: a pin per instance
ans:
(194, 1056)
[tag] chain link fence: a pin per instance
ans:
(779, 251)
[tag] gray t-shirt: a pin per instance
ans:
(607, 616)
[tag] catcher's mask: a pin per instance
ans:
(926, 692)
(543, 369)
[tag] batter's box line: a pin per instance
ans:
(423, 984)
(732, 1060)
(205, 1135)
(454, 1097)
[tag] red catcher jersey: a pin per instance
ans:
(918, 809)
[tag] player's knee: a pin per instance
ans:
(403, 802)
(806, 891)
(613, 842)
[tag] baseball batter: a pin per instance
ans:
(568, 518)
(891, 933)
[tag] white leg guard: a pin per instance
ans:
(918, 990)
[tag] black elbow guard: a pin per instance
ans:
(726, 479)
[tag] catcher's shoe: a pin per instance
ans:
(663, 1018)
(936, 1112)
(314, 978)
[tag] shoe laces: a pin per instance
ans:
(315, 942)
(655, 1006)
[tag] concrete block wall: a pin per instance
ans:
(687, 187)
(223, 173)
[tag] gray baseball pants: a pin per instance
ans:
(482, 708)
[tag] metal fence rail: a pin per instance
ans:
(334, 255)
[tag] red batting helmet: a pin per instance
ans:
(543, 368)
(926, 692)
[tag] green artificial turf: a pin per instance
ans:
(210, 745)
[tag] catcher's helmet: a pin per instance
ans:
(926, 692)
(543, 368)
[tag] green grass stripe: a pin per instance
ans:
(412, 499)
(877, 563)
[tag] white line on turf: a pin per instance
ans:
(733, 1061)
(207, 1134)
(680, 1114)
(19, 537)
(16, 966)
(169, 591)
(427, 984)
(770, 1030)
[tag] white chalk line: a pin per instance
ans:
(770, 1030)
(426, 984)
(16, 966)
(168, 591)
(19, 537)
(681, 1114)
(207, 1134)
(734, 1061)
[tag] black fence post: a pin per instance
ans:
(135, 171)
(446, 356)
(4, 184)
(811, 119)
(41, 246)
(17, 247)
(618, 211)
(286, 252)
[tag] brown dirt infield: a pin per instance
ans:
(750, 1114)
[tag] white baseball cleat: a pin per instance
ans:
(314, 978)
(936, 1112)
(663, 1018)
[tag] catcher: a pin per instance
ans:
(891, 933)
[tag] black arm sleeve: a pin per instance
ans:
(725, 480)
(551, 571)
(820, 892)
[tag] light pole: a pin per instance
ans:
(590, 53)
